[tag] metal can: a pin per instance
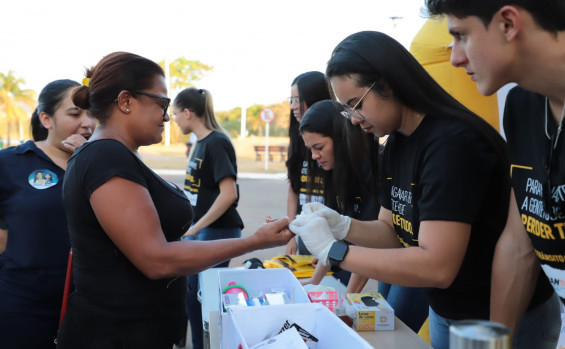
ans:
(479, 334)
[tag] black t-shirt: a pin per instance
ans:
(213, 160)
(528, 137)
(446, 170)
(311, 187)
(101, 272)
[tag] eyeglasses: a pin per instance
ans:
(553, 202)
(350, 113)
(164, 106)
(292, 100)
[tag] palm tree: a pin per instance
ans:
(15, 104)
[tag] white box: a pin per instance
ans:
(260, 281)
(251, 325)
(257, 282)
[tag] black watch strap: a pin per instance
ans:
(337, 254)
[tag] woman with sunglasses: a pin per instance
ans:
(210, 185)
(32, 217)
(444, 185)
(125, 222)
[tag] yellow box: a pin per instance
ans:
(370, 312)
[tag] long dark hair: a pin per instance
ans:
(376, 57)
(355, 156)
(49, 100)
(312, 87)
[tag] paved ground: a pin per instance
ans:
(258, 198)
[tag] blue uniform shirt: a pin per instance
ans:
(32, 207)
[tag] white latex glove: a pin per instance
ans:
(315, 234)
(339, 224)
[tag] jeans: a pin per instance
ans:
(439, 330)
(410, 304)
(540, 326)
(193, 307)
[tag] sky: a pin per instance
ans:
(257, 47)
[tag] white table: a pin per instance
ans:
(401, 337)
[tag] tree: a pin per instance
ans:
(182, 74)
(15, 105)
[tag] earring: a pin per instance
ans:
(127, 110)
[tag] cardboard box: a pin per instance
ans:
(370, 312)
(251, 325)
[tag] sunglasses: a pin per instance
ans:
(164, 104)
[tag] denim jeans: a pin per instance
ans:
(539, 328)
(410, 304)
(193, 307)
(439, 330)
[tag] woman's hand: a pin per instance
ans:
(291, 247)
(190, 232)
(275, 233)
(73, 141)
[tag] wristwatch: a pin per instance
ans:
(337, 253)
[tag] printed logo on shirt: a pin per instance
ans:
(192, 181)
(556, 277)
(42, 179)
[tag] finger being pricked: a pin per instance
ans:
(270, 219)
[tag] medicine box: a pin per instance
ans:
(370, 312)
(251, 325)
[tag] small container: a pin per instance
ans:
(479, 334)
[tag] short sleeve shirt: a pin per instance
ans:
(213, 160)
(31, 207)
(102, 273)
(528, 131)
(447, 171)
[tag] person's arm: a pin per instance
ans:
(127, 214)
(227, 196)
(434, 263)
(3, 240)
(376, 234)
(291, 206)
(356, 283)
(319, 272)
(514, 272)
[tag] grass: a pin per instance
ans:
(173, 157)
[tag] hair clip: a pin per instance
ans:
(86, 82)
